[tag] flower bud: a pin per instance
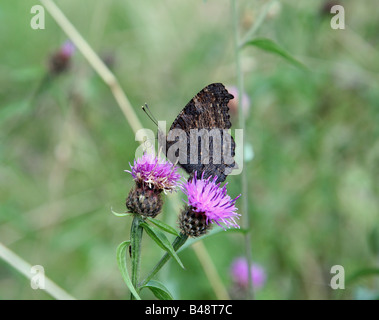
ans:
(192, 223)
(144, 201)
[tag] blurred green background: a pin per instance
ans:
(313, 182)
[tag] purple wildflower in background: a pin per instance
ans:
(239, 272)
(155, 173)
(207, 203)
(68, 49)
(61, 59)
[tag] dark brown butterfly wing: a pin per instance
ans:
(209, 111)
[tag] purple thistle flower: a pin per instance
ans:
(240, 273)
(211, 201)
(155, 173)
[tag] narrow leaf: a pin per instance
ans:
(121, 261)
(159, 290)
(162, 241)
(272, 47)
(123, 214)
(163, 226)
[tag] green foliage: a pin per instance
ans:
(313, 188)
(161, 240)
(122, 265)
(163, 226)
(272, 47)
(122, 214)
(159, 290)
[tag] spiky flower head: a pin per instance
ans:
(152, 176)
(155, 173)
(207, 203)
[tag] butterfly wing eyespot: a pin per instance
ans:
(208, 113)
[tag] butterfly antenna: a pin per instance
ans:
(146, 109)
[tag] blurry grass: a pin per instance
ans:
(313, 195)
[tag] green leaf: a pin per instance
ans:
(162, 241)
(270, 46)
(163, 226)
(121, 261)
(159, 290)
(123, 214)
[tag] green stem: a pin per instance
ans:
(241, 118)
(135, 244)
(254, 28)
(178, 242)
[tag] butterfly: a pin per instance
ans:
(198, 138)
